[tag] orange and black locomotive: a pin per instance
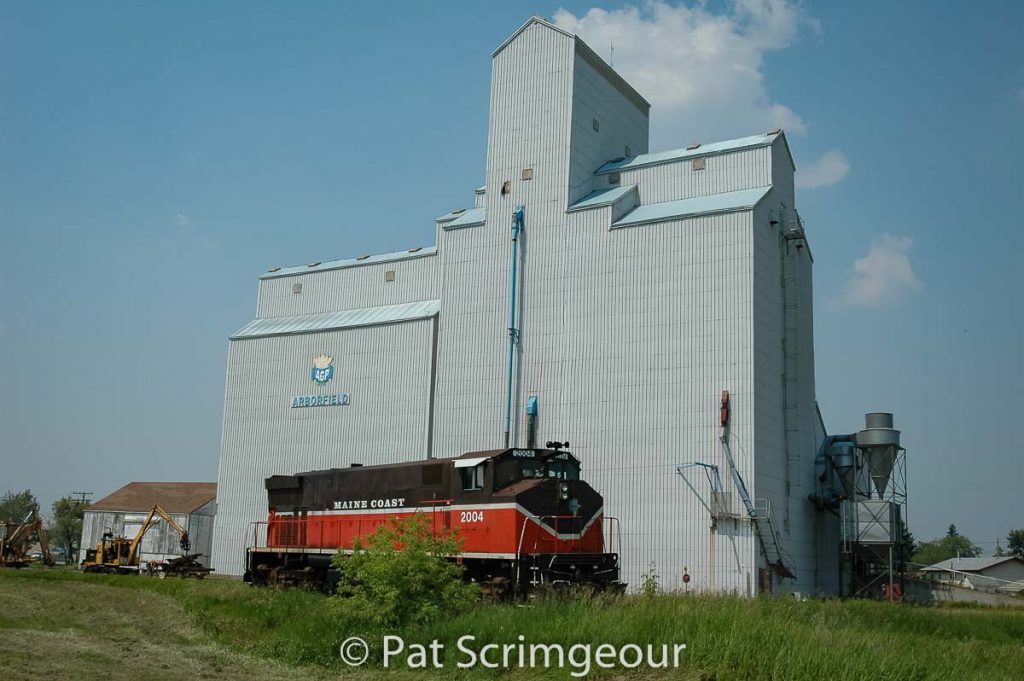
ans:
(524, 516)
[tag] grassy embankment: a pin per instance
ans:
(60, 624)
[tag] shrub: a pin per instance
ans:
(400, 575)
(649, 581)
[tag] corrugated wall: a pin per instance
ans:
(385, 369)
(160, 542)
(744, 169)
(351, 288)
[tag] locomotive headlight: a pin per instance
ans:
(563, 491)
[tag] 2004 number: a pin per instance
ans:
(472, 517)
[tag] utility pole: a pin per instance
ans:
(82, 497)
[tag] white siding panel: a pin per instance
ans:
(386, 371)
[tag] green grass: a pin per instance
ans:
(727, 638)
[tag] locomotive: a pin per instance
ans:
(524, 517)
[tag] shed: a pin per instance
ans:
(191, 504)
(998, 573)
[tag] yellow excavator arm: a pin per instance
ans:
(155, 514)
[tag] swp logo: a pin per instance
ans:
(323, 369)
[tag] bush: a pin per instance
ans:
(402, 575)
(649, 581)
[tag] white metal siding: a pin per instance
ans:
(350, 288)
(386, 371)
(745, 169)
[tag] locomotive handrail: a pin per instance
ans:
(618, 534)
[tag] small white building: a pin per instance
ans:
(1005, 573)
(191, 504)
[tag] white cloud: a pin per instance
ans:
(829, 169)
(181, 220)
(883, 276)
(702, 71)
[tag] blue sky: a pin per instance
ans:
(156, 157)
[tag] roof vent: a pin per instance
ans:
(274, 269)
(313, 264)
(458, 211)
(695, 145)
(362, 257)
(415, 250)
(775, 131)
(629, 152)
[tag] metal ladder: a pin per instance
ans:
(761, 516)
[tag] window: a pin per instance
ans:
(472, 477)
(296, 288)
(698, 163)
(614, 178)
(389, 275)
(527, 173)
(564, 470)
(532, 469)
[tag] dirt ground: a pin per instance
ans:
(81, 631)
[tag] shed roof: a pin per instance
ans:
(472, 217)
(601, 197)
(969, 564)
(343, 319)
(173, 497)
(412, 253)
(726, 202)
(711, 149)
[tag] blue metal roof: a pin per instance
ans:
(699, 205)
(675, 155)
(472, 217)
(345, 319)
(351, 262)
(602, 197)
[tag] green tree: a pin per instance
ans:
(909, 543)
(402, 574)
(950, 546)
(1015, 543)
(16, 506)
(999, 550)
(66, 529)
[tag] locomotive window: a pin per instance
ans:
(472, 477)
(533, 469)
(564, 470)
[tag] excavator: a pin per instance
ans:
(120, 555)
(16, 542)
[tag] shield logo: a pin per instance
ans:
(323, 369)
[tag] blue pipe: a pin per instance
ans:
(518, 222)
